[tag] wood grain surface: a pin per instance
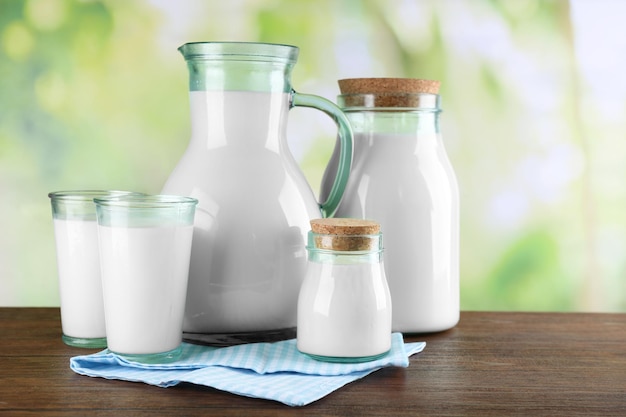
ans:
(491, 364)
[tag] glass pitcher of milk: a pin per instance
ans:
(402, 178)
(248, 253)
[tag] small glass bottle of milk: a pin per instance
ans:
(344, 306)
(402, 177)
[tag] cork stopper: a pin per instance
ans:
(343, 234)
(388, 92)
(388, 85)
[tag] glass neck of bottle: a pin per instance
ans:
(344, 258)
(414, 122)
(392, 113)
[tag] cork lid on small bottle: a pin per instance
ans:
(344, 234)
(388, 92)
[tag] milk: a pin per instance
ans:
(80, 288)
(406, 183)
(248, 258)
(145, 286)
(344, 311)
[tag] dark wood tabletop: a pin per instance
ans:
(491, 364)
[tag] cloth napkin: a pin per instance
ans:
(275, 371)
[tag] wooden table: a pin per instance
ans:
(491, 364)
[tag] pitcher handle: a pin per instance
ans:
(329, 207)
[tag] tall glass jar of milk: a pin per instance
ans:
(402, 178)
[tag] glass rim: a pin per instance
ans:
(87, 195)
(334, 252)
(143, 201)
(244, 51)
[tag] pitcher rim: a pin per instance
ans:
(233, 50)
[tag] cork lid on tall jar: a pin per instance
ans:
(387, 92)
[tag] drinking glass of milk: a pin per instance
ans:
(145, 246)
(78, 265)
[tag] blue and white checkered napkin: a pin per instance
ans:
(274, 371)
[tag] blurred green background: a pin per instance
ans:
(93, 94)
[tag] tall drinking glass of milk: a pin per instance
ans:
(78, 265)
(402, 178)
(145, 246)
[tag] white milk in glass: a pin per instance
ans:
(80, 288)
(344, 310)
(145, 288)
